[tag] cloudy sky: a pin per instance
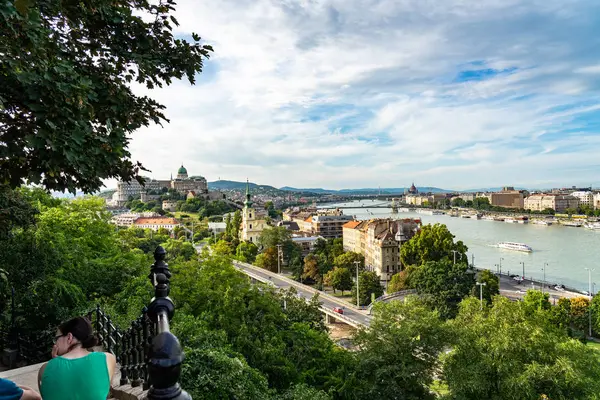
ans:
(342, 93)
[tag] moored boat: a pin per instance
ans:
(595, 226)
(542, 222)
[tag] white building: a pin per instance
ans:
(217, 227)
(585, 198)
(128, 219)
(597, 201)
(253, 222)
(155, 223)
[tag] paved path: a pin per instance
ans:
(328, 302)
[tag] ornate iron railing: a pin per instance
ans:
(149, 355)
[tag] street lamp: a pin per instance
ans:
(279, 259)
(501, 265)
(544, 281)
(496, 265)
(454, 253)
(523, 264)
(590, 296)
(481, 285)
(357, 263)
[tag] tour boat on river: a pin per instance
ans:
(515, 246)
(595, 226)
(542, 222)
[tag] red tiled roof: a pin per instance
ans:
(351, 224)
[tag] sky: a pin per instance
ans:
(339, 94)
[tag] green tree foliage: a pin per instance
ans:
(347, 260)
(246, 252)
(292, 253)
(458, 202)
(267, 259)
(401, 280)
(432, 243)
(491, 287)
(311, 268)
(15, 211)
(535, 300)
(179, 248)
(223, 248)
(255, 324)
(67, 108)
(368, 283)
(443, 284)
(339, 279)
(505, 353)
(398, 353)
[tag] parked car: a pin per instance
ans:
(585, 293)
(518, 278)
(338, 310)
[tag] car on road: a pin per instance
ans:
(585, 293)
(518, 278)
(560, 288)
(338, 310)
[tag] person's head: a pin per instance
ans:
(73, 333)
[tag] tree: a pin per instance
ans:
(579, 313)
(368, 284)
(502, 352)
(399, 353)
(432, 243)
(535, 301)
(401, 280)
(458, 202)
(246, 252)
(339, 279)
(311, 268)
(267, 259)
(444, 284)
(223, 248)
(271, 237)
(236, 223)
(347, 260)
(491, 287)
(179, 248)
(66, 108)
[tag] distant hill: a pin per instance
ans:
(234, 185)
(364, 190)
(496, 189)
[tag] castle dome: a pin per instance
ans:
(182, 170)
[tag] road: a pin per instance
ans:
(328, 302)
(513, 289)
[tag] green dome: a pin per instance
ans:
(182, 170)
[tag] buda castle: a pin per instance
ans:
(188, 186)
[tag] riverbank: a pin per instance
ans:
(514, 289)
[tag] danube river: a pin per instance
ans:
(566, 250)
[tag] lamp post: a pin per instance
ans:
(497, 271)
(481, 285)
(544, 281)
(523, 264)
(590, 296)
(454, 253)
(279, 259)
(501, 265)
(357, 263)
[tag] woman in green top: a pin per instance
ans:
(74, 373)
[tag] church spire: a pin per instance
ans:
(248, 202)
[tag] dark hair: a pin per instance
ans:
(81, 329)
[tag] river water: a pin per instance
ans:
(566, 250)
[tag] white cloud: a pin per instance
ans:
(347, 93)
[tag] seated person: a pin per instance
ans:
(74, 373)
(10, 391)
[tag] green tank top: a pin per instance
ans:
(84, 378)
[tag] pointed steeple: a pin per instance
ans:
(248, 202)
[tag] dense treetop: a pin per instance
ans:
(67, 108)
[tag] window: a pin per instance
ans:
(250, 216)
(250, 226)
(250, 238)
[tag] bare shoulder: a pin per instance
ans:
(110, 357)
(41, 373)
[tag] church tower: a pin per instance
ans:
(252, 223)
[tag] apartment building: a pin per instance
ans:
(379, 241)
(586, 198)
(318, 222)
(557, 202)
(508, 197)
(155, 223)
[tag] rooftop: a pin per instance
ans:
(156, 221)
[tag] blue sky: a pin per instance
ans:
(343, 93)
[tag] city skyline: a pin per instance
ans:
(348, 94)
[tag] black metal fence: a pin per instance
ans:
(148, 354)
